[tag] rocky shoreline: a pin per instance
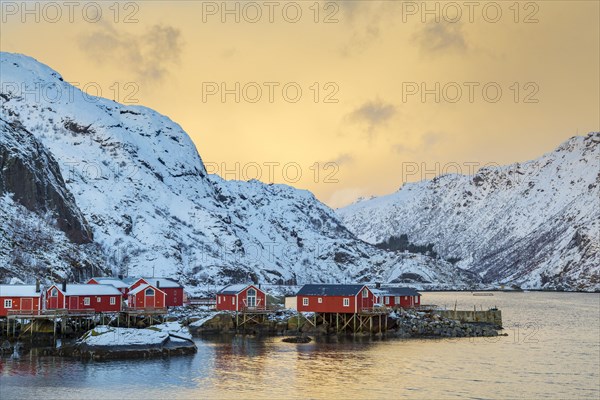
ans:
(400, 324)
(176, 337)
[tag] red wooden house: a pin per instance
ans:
(116, 282)
(335, 298)
(172, 289)
(146, 296)
(399, 297)
(241, 297)
(23, 298)
(78, 297)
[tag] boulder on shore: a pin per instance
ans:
(105, 342)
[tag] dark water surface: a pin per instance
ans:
(552, 351)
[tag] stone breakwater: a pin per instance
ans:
(422, 325)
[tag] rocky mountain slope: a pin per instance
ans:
(533, 224)
(43, 232)
(152, 208)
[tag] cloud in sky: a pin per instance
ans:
(426, 142)
(373, 114)
(438, 37)
(149, 55)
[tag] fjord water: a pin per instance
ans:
(552, 351)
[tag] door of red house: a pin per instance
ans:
(73, 302)
(27, 304)
(150, 301)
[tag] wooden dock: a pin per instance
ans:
(32, 321)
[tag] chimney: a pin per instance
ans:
(64, 286)
(120, 276)
(37, 285)
(158, 284)
(377, 285)
(259, 286)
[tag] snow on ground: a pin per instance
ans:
(110, 336)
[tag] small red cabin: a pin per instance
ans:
(23, 298)
(335, 298)
(146, 296)
(78, 297)
(400, 297)
(241, 297)
(173, 290)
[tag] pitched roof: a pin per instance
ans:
(130, 280)
(143, 287)
(163, 282)
(234, 289)
(88, 290)
(398, 291)
(107, 280)
(329, 290)
(18, 291)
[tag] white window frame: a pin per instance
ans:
(305, 301)
(320, 300)
(219, 298)
(397, 300)
(113, 301)
(346, 302)
(149, 289)
(233, 300)
(387, 300)
(98, 299)
(86, 301)
(405, 297)
(54, 292)
(8, 303)
(365, 293)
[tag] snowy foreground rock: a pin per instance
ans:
(107, 342)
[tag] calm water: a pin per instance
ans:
(552, 351)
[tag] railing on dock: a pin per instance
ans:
(145, 310)
(202, 302)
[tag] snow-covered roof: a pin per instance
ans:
(162, 282)
(91, 290)
(130, 280)
(234, 289)
(397, 291)
(107, 280)
(143, 287)
(330, 290)
(18, 291)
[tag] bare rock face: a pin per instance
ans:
(30, 173)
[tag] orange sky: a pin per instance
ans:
(383, 84)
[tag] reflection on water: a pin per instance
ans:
(552, 351)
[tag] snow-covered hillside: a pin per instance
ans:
(142, 187)
(534, 224)
(43, 233)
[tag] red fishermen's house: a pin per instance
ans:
(172, 289)
(22, 298)
(241, 297)
(116, 282)
(77, 297)
(146, 297)
(335, 298)
(401, 297)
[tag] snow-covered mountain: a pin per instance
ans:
(535, 224)
(43, 232)
(152, 208)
